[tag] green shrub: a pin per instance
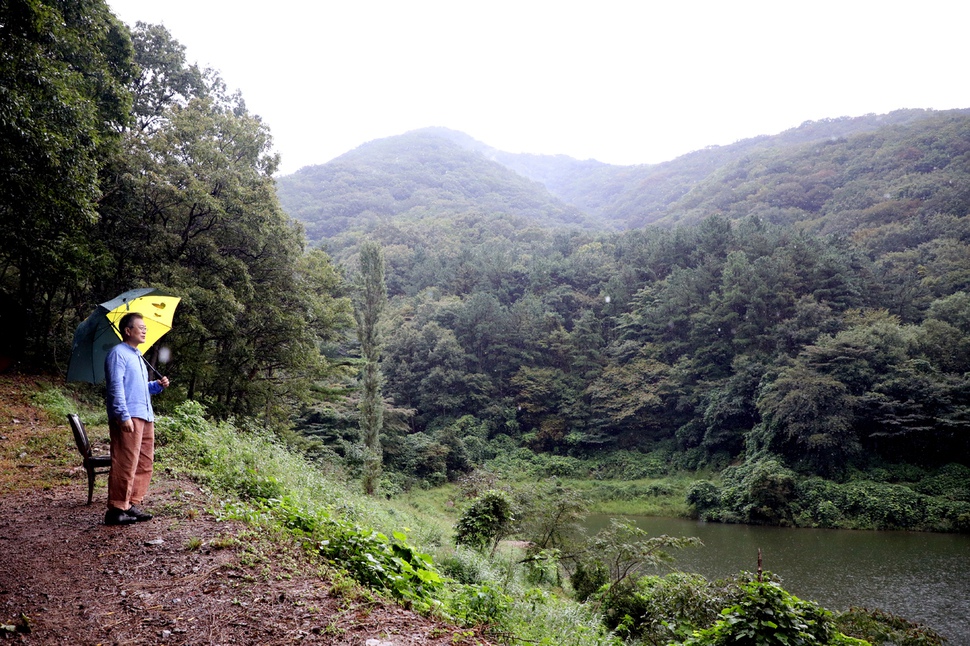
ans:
(632, 490)
(423, 456)
(58, 405)
(542, 567)
(902, 473)
(560, 466)
(539, 617)
(759, 491)
(480, 604)
(656, 610)
(380, 562)
(486, 520)
(187, 423)
(477, 448)
(951, 482)
(963, 523)
(827, 514)
(461, 570)
(630, 465)
(550, 515)
(767, 615)
(589, 576)
(704, 496)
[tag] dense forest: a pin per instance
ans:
(126, 166)
(801, 299)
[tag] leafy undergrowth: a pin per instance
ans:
(33, 450)
(266, 485)
(763, 491)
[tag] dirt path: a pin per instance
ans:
(173, 580)
(183, 578)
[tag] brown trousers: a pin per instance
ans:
(132, 459)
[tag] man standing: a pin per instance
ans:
(131, 422)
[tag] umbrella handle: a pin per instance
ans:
(157, 373)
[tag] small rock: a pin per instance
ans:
(157, 541)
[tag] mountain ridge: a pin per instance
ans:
(412, 176)
(440, 171)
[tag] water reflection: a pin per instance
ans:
(920, 576)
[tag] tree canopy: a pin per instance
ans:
(770, 318)
(130, 167)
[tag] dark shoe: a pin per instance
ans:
(115, 516)
(139, 514)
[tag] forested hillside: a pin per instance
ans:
(798, 171)
(748, 330)
(632, 196)
(412, 176)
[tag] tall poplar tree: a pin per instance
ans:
(371, 296)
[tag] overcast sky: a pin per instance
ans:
(626, 82)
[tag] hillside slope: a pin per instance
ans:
(845, 184)
(412, 176)
(186, 577)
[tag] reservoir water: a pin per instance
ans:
(920, 576)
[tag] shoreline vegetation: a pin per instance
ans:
(404, 547)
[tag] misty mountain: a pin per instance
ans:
(834, 174)
(631, 196)
(413, 176)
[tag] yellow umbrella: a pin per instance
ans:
(157, 310)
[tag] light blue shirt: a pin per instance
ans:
(128, 391)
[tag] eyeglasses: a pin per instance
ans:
(141, 328)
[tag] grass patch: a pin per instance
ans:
(36, 446)
(664, 497)
(430, 514)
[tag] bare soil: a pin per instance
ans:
(184, 577)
